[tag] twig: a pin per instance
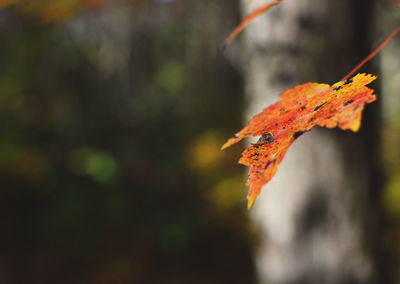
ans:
(373, 53)
(247, 21)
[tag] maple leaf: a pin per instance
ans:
(299, 110)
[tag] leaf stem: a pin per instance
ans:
(373, 53)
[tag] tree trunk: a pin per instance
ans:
(312, 215)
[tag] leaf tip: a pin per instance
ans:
(355, 126)
(250, 201)
(223, 147)
(230, 142)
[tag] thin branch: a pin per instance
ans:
(373, 53)
(247, 21)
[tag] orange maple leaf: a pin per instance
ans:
(299, 110)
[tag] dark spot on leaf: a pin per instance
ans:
(266, 138)
(267, 164)
(348, 81)
(311, 119)
(254, 154)
(290, 120)
(303, 108)
(348, 102)
(319, 106)
(337, 88)
(298, 134)
(276, 124)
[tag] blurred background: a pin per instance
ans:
(112, 118)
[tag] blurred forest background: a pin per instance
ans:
(113, 114)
